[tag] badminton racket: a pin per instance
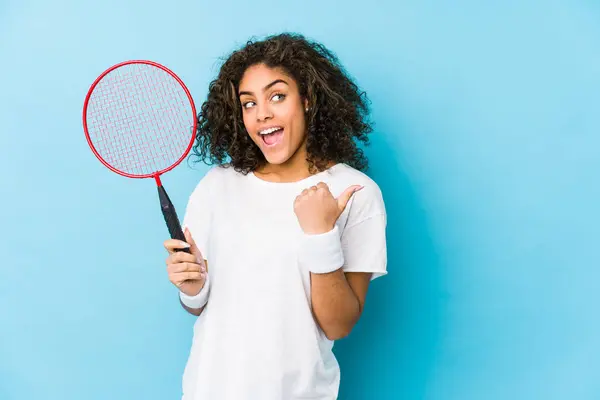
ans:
(140, 121)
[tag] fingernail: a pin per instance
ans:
(359, 188)
(184, 245)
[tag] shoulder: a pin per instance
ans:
(348, 172)
(367, 202)
(216, 172)
(210, 183)
(345, 176)
(215, 175)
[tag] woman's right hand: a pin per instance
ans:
(186, 271)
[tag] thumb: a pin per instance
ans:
(344, 198)
(193, 247)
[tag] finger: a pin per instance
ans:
(185, 267)
(192, 267)
(173, 244)
(180, 277)
(180, 257)
(312, 191)
(323, 189)
(346, 195)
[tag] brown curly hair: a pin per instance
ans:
(336, 121)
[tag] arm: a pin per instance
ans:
(338, 299)
(197, 219)
(341, 267)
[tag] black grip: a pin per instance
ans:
(170, 216)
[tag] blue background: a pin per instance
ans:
(487, 149)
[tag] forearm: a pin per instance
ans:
(193, 311)
(335, 305)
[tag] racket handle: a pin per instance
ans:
(170, 216)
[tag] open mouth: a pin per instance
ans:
(272, 136)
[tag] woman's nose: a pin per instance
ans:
(263, 113)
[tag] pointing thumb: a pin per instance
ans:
(344, 198)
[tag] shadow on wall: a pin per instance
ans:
(392, 350)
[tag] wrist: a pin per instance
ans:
(199, 300)
(321, 253)
(319, 230)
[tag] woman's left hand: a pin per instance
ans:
(317, 210)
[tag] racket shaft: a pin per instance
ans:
(170, 216)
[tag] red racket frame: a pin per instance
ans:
(155, 175)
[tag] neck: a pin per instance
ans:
(294, 169)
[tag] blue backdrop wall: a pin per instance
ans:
(486, 149)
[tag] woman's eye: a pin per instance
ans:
(248, 104)
(278, 97)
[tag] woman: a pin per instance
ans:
(286, 235)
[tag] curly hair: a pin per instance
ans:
(337, 119)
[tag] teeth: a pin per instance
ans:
(270, 130)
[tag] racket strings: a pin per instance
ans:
(139, 119)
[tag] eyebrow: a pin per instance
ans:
(276, 81)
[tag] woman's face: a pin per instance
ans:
(274, 114)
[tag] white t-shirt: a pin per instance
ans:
(257, 338)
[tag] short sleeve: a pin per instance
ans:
(197, 216)
(364, 237)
